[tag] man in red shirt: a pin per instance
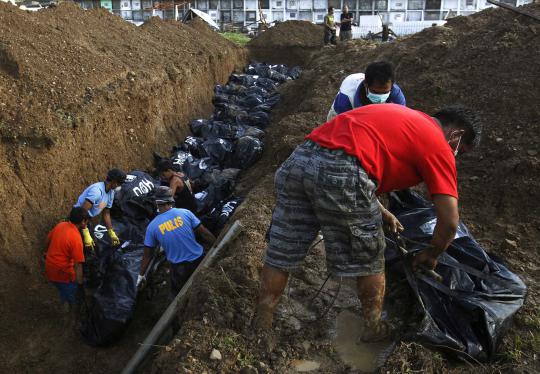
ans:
(64, 258)
(331, 182)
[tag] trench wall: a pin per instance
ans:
(86, 100)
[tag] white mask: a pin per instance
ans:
(377, 98)
(456, 150)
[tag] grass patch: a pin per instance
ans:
(236, 37)
(514, 353)
(523, 345)
(533, 321)
(65, 116)
(233, 345)
(229, 342)
(529, 332)
(246, 359)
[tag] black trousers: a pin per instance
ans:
(180, 274)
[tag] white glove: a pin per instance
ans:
(140, 279)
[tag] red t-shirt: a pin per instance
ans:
(65, 249)
(397, 146)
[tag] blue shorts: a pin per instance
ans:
(68, 292)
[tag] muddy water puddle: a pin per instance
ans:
(303, 366)
(341, 327)
(365, 357)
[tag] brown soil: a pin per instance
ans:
(290, 42)
(290, 34)
(488, 61)
(81, 91)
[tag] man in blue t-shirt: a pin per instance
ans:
(98, 198)
(376, 86)
(175, 230)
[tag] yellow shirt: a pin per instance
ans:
(329, 21)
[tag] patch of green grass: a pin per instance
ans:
(236, 37)
(514, 353)
(233, 344)
(522, 346)
(532, 321)
(65, 116)
(226, 342)
(528, 325)
(246, 359)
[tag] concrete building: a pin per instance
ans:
(406, 16)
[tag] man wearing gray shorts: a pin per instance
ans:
(331, 182)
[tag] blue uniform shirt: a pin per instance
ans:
(98, 197)
(342, 102)
(174, 231)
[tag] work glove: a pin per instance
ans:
(140, 280)
(114, 238)
(87, 239)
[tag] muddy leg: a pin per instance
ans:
(371, 294)
(273, 282)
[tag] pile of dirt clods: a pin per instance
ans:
(472, 60)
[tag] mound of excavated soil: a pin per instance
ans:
(488, 61)
(290, 42)
(84, 90)
(55, 59)
(201, 26)
(290, 34)
(81, 91)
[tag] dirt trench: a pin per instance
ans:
(81, 91)
(44, 135)
(470, 61)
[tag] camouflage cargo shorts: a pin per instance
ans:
(327, 190)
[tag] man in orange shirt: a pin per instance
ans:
(64, 258)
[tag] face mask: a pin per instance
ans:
(456, 150)
(117, 189)
(377, 98)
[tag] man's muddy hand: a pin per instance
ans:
(391, 221)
